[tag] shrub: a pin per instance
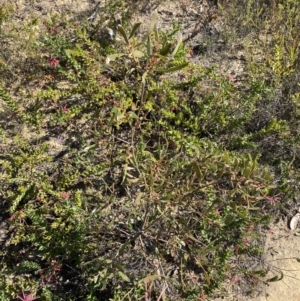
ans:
(137, 180)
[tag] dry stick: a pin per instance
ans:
(133, 152)
(165, 287)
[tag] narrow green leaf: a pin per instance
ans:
(273, 279)
(261, 273)
(134, 29)
(123, 276)
(276, 278)
(149, 47)
(144, 77)
(164, 39)
(103, 283)
(197, 170)
(123, 33)
(177, 46)
(152, 24)
(156, 36)
(173, 69)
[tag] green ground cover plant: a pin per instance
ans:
(130, 173)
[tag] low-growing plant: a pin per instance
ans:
(144, 177)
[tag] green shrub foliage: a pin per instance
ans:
(127, 170)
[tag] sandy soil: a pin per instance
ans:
(280, 259)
